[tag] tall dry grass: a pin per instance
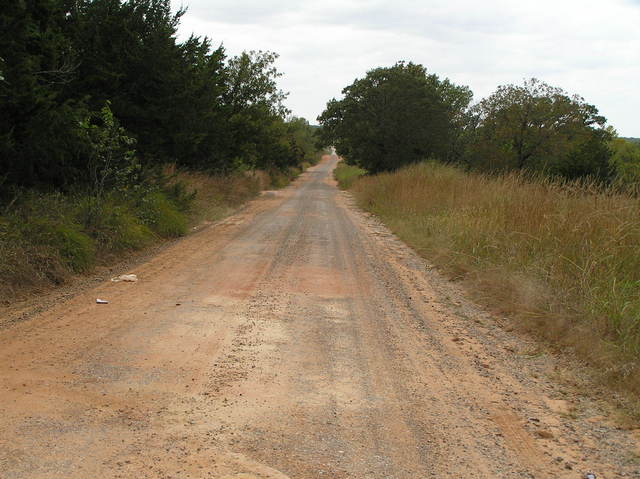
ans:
(564, 260)
(215, 197)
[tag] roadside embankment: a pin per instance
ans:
(562, 260)
(46, 239)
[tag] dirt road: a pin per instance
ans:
(296, 339)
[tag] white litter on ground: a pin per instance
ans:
(130, 278)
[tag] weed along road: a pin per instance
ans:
(296, 339)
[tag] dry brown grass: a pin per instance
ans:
(218, 196)
(564, 260)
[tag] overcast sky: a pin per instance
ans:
(587, 47)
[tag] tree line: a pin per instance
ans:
(403, 114)
(97, 90)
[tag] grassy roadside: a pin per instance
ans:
(563, 260)
(345, 174)
(48, 238)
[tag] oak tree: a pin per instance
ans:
(394, 116)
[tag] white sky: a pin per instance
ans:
(587, 47)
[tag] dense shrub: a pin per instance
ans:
(161, 215)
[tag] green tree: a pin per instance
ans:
(625, 161)
(257, 132)
(166, 94)
(131, 58)
(540, 128)
(252, 83)
(394, 116)
(302, 140)
(40, 138)
(457, 99)
(61, 61)
(112, 164)
(199, 120)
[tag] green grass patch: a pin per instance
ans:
(114, 225)
(162, 216)
(63, 240)
(47, 237)
(345, 174)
